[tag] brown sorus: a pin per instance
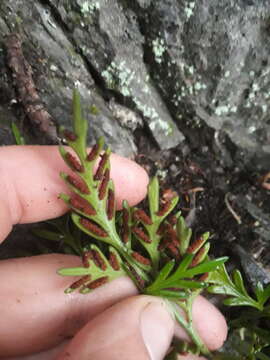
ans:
(164, 208)
(168, 194)
(204, 277)
(97, 258)
(161, 229)
(98, 282)
(192, 249)
(141, 215)
(162, 245)
(125, 227)
(141, 234)
(79, 184)
(104, 185)
(173, 249)
(171, 235)
(73, 162)
(125, 216)
(125, 234)
(101, 166)
(80, 282)
(114, 261)
(82, 205)
(139, 280)
(69, 135)
(94, 228)
(170, 240)
(86, 256)
(172, 220)
(198, 257)
(141, 259)
(110, 204)
(93, 153)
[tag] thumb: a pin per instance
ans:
(137, 328)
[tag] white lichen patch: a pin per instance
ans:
(191, 69)
(255, 87)
(155, 123)
(159, 124)
(53, 68)
(251, 129)
(264, 108)
(257, 97)
(199, 86)
(159, 48)
(119, 76)
(190, 82)
(89, 7)
(225, 109)
(191, 86)
(189, 9)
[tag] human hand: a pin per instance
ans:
(39, 321)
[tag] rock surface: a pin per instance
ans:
(188, 78)
(176, 63)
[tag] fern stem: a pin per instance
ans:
(187, 325)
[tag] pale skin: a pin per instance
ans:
(39, 321)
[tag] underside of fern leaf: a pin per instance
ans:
(153, 247)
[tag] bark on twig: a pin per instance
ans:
(26, 90)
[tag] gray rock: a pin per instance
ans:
(58, 69)
(210, 60)
(254, 271)
(172, 62)
(262, 219)
(114, 48)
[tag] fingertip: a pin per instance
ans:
(136, 328)
(34, 195)
(32, 295)
(210, 323)
(130, 180)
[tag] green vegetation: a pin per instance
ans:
(154, 247)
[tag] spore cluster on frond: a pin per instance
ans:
(153, 247)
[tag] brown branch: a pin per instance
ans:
(26, 90)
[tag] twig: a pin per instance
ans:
(237, 217)
(26, 90)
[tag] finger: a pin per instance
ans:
(208, 322)
(43, 355)
(32, 295)
(136, 328)
(30, 184)
(35, 310)
(52, 353)
(140, 327)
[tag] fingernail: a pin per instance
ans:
(157, 329)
